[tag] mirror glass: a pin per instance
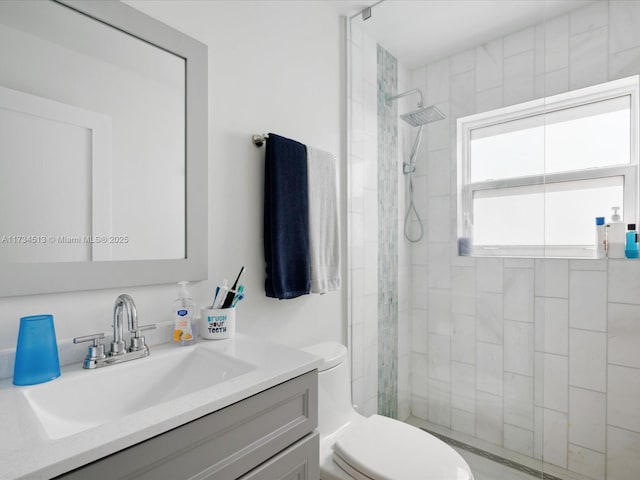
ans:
(92, 128)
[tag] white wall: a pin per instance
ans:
(273, 66)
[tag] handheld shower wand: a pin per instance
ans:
(416, 118)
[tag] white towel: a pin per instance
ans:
(324, 221)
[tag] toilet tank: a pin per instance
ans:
(334, 387)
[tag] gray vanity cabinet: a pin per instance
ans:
(268, 436)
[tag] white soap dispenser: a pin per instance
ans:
(615, 235)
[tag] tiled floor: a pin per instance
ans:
(485, 469)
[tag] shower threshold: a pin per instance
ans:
(493, 457)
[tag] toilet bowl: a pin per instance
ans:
(354, 447)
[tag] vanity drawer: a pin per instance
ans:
(222, 445)
(300, 461)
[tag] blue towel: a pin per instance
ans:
(286, 219)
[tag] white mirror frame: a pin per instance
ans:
(38, 278)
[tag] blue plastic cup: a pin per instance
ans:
(37, 351)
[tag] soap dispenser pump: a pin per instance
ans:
(615, 235)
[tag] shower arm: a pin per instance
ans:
(407, 93)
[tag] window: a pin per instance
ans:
(532, 177)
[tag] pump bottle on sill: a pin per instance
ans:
(600, 238)
(631, 247)
(615, 235)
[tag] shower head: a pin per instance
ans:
(422, 116)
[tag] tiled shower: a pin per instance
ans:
(533, 359)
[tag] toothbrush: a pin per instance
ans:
(232, 291)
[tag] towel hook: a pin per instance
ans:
(259, 139)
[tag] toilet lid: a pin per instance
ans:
(385, 449)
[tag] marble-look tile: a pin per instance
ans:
(539, 42)
(586, 462)
(591, 264)
(587, 418)
(419, 252)
(554, 82)
(404, 387)
(419, 407)
(439, 355)
(518, 400)
(519, 42)
(555, 438)
(489, 417)
(489, 275)
(418, 330)
(518, 294)
(588, 58)
(438, 81)
(418, 78)
(623, 461)
(518, 347)
(463, 93)
(419, 376)
(490, 324)
(624, 64)
(438, 219)
(438, 266)
(588, 18)
(438, 403)
(489, 99)
(552, 325)
(438, 173)
(624, 281)
(556, 45)
(519, 78)
(518, 439)
(437, 134)
(623, 392)
(587, 359)
(463, 338)
(538, 432)
(538, 379)
(552, 278)
(463, 62)
(588, 300)
(463, 421)
(624, 18)
(624, 335)
(556, 380)
(463, 388)
(419, 286)
(489, 372)
(357, 350)
(463, 290)
(489, 65)
(438, 306)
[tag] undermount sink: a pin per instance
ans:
(84, 399)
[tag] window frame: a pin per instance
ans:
(628, 86)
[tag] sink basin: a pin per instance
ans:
(85, 399)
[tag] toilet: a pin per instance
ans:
(354, 447)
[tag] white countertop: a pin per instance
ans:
(27, 452)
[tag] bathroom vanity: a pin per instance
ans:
(237, 408)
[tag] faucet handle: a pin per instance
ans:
(96, 351)
(137, 340)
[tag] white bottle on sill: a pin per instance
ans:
(615, 235)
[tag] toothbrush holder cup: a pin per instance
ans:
(218, 323)
(37, 358)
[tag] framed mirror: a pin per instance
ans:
(103, 166)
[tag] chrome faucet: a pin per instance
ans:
(119, 353)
